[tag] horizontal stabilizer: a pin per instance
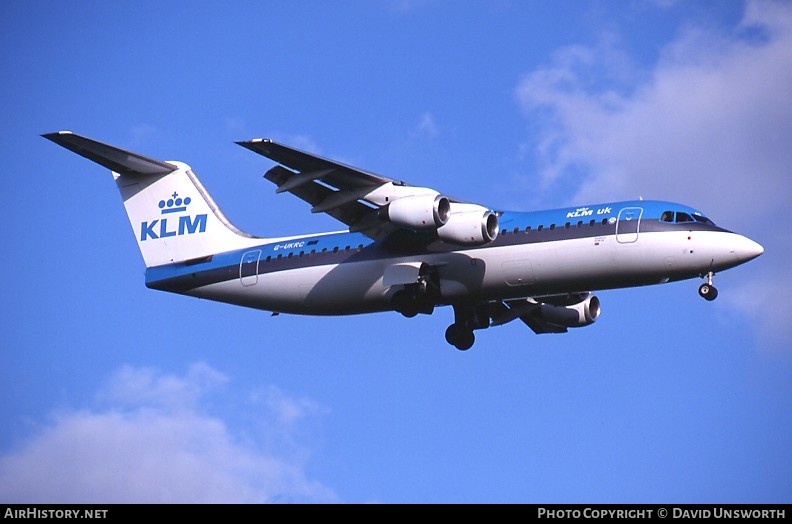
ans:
(113, 158)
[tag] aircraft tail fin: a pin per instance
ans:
(173, 218)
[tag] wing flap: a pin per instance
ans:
(315, 194)
(339, 199)
(302, 178)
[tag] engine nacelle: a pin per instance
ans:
(578, 315)
(472, 225)
(418, 211)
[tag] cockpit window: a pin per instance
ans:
(680, 217)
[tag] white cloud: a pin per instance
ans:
(713, 110)
(289, 411)
(761, 295)
(709, 124)
(152, 443)
(131, 386)
(406, 6)
(143, 134)
(426, 127)
(303, 142)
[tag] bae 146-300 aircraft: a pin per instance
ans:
(407, 248)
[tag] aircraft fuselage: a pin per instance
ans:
(561, 251)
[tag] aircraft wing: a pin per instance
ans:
(539, 325)
(548, 314)
(529, 311)
(351, 195)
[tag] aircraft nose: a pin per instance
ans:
(746, 249)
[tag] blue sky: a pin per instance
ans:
(115, 393)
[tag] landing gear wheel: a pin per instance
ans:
(409, 313)
(708, 292)
(402, 303)
(460, 337)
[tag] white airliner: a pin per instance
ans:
(407, 248)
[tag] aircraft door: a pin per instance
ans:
(518, 272)
(248, 268)
(628, 224)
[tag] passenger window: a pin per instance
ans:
(540, 228)
(552, 226)
(516, 230)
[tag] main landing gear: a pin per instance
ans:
(466, 319)
(460, 336)
(418, 297)
(707, 290)
(422, 295)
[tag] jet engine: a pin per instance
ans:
(469, 225)
(418, 211)
(583, 313)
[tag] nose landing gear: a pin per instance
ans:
(707, 290)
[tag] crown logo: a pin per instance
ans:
(175, 204)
